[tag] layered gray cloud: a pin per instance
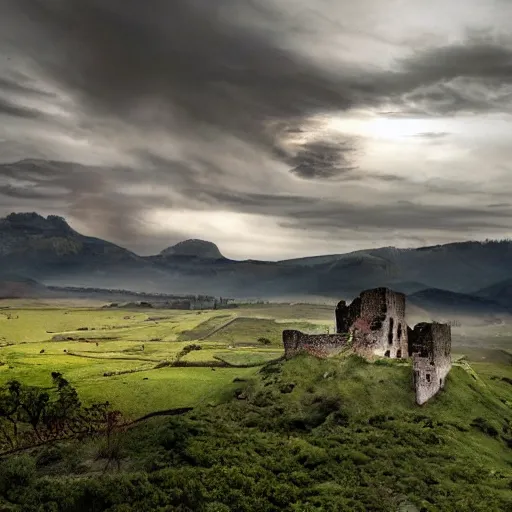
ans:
(256, 108)
(322, 159)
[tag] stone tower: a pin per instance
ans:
(377, 320)
(430, 349)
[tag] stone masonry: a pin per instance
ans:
(319, 345)
(373, 325)
(430, 349)
(377, 320)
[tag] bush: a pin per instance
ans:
(112, 451)
(485, 426)
(49, 455)
(341, 418)
(217, 507)
(17, 472)
(287, 388)
(383, 362)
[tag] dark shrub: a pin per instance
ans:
(484, 426)
(17, 472)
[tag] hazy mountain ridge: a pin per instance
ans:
(500, 292)
(444, 305)
(48, 248)
(50, 251)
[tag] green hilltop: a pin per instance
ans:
(299, 435)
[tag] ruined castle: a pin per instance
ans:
(373, 325)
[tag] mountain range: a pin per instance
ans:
(47, 250)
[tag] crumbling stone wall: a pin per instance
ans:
(377, 320)
(430, 349)
(319, 345)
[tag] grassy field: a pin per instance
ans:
(84, 341)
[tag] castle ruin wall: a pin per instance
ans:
(374, 325)
(430, 348)
(380, 329)
(319, 345)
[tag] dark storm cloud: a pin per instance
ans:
(399, 217)
(7, 108)
(186, 56)
(189, 63)
(14, 88)
(18, 85)
(460, 77)
(43, 171)
(479, 58)
(330, 214)
(88, 193)
(31, 192)
(193, 55)
(322, 159)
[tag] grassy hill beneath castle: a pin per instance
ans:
(300, 435)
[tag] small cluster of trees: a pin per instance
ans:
(31, 415)
(504, 240)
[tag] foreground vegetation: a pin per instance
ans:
(302, 435)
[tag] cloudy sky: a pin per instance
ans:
(274, 128)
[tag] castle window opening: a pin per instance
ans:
(399, 332)
(399, 354)
(428, 377)
(390, 333)
(387, 354)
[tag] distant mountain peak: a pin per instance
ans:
(194, 248)
(34, 221)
